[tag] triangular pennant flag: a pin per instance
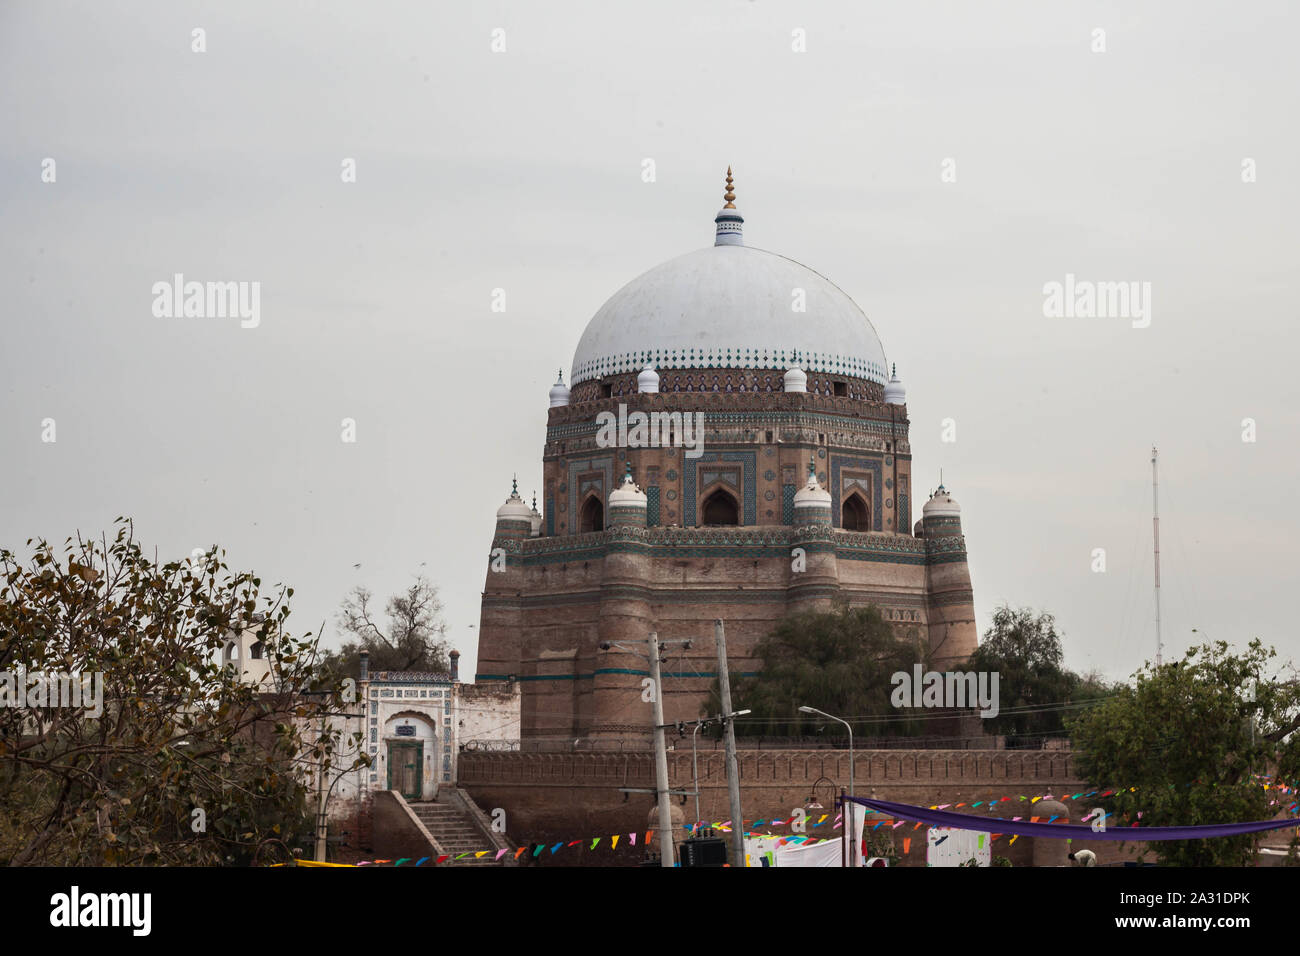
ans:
(918, 825)
(459, 855)
(976, 804)
(440, 859)
(556, 847)
(573, 842)
(519, 852)
(540, 848)
(481, 853)
(420, 860)
(1014, 839)
(632, 838)
(401, 861)
(648, 835)
(907, 845)
(501, 853)
(613, 841)
(981, 843)
(594, 842)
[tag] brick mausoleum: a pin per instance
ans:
(797, 490)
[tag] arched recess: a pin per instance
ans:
(855, 514)
(592, 516)
(720, 508)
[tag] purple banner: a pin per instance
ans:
(1062, 831)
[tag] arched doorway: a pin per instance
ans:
(720, 509)
(854, 514)
(411, 740)
(592, 516)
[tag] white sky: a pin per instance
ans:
(522, 170)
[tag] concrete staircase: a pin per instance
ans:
(456, 832)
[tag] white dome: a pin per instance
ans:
(729, 306)
(812, 493)
(895, 394)
(648, 380)
(941, 504)
(627, 495)
(796, 380)
(515, 509)
(559, 393)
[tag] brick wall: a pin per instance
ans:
(561, 797)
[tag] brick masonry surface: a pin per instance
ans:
(563, 797)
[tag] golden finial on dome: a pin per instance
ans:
(730, 195)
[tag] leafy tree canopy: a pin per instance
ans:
(1035, 691)
(184, 763)
(839, 661)
(1192, 736)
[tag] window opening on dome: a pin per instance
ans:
(720, 509)
(854, 514)
(592, 517)
(841, 388)
(606, 391)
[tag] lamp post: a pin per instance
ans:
(848, 818)
(695, 772)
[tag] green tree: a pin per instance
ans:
(838, 661)
(1025, 650)
(414, 638)
(182, 762)
(1192, 736)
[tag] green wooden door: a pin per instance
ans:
(406, 769)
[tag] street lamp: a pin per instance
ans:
(695, 772)
(848, 822)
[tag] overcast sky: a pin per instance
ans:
(522, 170)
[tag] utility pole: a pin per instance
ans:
(1155, 523)
(661, 760)
(661, 750)
(322, 827)
(729, 735)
